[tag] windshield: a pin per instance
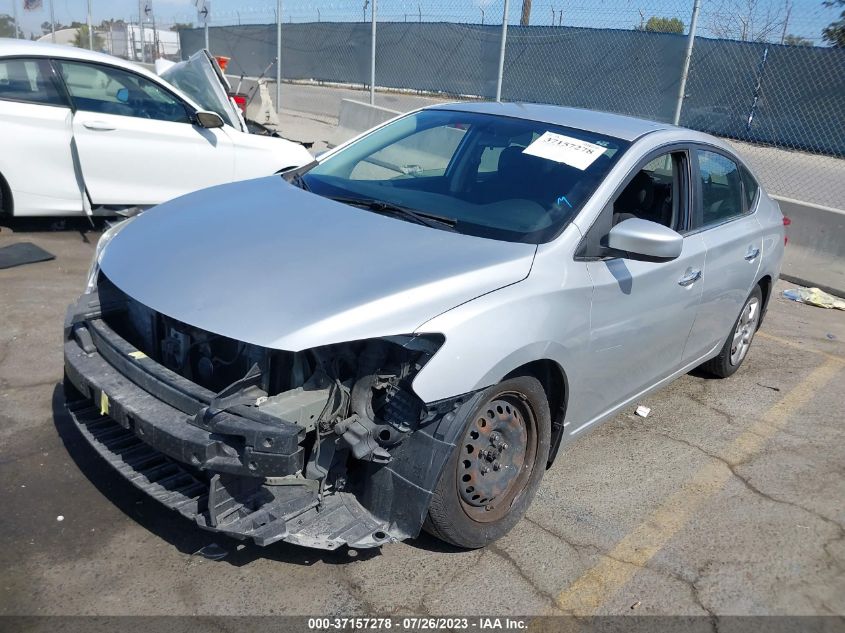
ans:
(492, 176)
(198, 79)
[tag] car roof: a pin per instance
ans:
(620, 126)
(26, 48)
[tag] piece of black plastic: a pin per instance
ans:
(23, 253)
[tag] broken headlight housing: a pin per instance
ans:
(107, 236)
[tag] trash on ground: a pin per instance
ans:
(636, 604)
(643, 411)
(212, 551)
(832, 337)
(23, 253)
(760, 384)
(60, 518)
(814, 296)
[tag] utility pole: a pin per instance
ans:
(141, 26)
(786, 21)
(90, 28)
(682, 89)
(373, 56)
(278, 55)
(526, 13)
(52, 23)
(502, 52)
(15, 16)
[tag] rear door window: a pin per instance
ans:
(721, 189)
(29, 80)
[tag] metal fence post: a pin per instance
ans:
(278, 55)
(90, 29)
(373, 56)
(687, 57)
(502, 52)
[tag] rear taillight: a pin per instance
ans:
(786, 222)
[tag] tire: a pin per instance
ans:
(496, 467)
(730, 358)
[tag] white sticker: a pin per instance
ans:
(565, 149)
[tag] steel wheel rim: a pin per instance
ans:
(744, 332)
(496, 457)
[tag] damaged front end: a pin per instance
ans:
(322, 447)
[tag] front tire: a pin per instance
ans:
(736, 346)
(496, 466)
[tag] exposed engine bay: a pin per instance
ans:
(340, 423)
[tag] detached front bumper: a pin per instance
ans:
(229, 472)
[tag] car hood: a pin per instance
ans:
(265, 262)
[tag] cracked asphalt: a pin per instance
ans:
(728, 499)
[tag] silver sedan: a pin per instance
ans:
(403, 334)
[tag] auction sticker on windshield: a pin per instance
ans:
(565, 149)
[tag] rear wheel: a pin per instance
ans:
(496, 467)
(736, 346)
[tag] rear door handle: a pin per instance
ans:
(752, 253)
(100, 126)
(690, 277)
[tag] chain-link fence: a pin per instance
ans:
(759, 73)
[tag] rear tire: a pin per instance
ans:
(736, 346)
(495, 467)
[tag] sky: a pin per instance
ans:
(718, 17)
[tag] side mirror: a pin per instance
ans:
(207, 119)
(649, 240)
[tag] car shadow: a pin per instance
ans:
(89, 229)
(171, 526)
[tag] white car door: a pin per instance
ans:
(36, 160)
(135, 138)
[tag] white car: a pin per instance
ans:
(87, 133)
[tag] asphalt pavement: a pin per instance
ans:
(729, 498)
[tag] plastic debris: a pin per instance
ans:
(636, 604)
(212, 551)
(815, 297)
(768, 386)
(832, 337)
(60, 518)
(642, 411)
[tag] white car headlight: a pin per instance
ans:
(105, 238)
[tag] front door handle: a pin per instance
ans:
(690, 277)
(752, 253)
(100, 126)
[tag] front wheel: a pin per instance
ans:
(496, 466)
(736, 346)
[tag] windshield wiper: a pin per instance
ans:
(388, 208)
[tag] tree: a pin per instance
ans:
(7, 27)
(180, 26)
(834, 33)
(796, 40)
(80, 40)
(747, 20)
(663, 25)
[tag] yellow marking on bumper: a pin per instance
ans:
(619, 565)
(104, 403)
